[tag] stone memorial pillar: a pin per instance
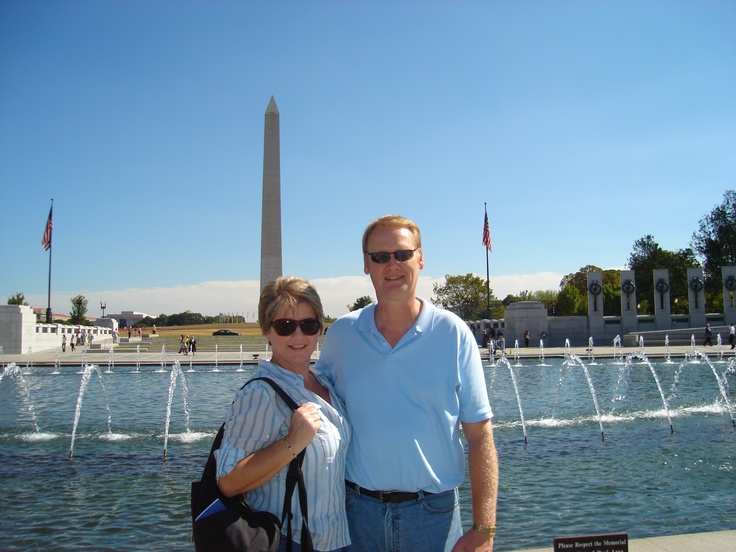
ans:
(696, 297)
(729, 293)
(595, 305)
(662, 305)
(628, 302)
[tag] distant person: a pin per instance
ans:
(706, 341)
(130, 332)
(183, 344)
(193, 345)
(73, 342)
(263, 435)
(527, 338)
(492, 342)
(63, 344)
(500, 342)
(731, 335)
(411, 378)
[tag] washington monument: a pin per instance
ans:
(271, 203)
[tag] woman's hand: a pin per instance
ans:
(305, 422)
(258, 468)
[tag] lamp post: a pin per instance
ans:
(103, 306)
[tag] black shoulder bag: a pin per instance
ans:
(235, 526)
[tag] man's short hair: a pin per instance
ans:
(392, 221)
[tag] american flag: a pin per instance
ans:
(487, 234)
(46, 241)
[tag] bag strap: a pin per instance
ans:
(294, 478)
(280, 392)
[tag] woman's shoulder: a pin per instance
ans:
(262, 384)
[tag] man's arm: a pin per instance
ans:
(483, 468)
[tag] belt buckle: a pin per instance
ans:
(395, 497)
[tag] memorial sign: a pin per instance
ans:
(615, 542)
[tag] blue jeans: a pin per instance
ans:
(430, 523)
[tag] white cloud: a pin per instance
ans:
(241, 297)
(514, 284)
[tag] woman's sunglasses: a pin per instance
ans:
(287, 326)
(384, 256)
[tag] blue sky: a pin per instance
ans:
(583, 126)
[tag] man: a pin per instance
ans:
(410, 374)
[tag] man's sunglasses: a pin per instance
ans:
(401, 256)
(287, 326)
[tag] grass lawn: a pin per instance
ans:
(200, 330)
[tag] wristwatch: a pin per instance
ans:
(485, 529)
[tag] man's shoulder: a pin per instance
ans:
(444, 316)
(351, 318)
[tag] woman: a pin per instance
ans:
(263, 435)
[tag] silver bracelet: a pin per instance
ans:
(291, 450)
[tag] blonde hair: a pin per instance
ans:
(287, 291)
(392, 221)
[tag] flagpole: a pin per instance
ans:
(49, 317)
(488, 272)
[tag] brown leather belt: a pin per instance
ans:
(387, 497)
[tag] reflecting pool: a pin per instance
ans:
(632, 445)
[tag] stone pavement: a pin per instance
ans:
(152, 355)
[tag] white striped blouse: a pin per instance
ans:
(257, 418)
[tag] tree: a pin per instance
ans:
(611, 299)
(498, 309)
(17, 299)
(647, 256)
(526, 295)
(464, 295)
(579, 279)
(79, 310)
(360, 302)
(570, 302)
(547, 297)
(187, 318)
(575, 304)
(715, 243)
(161, 320)
(147, 322)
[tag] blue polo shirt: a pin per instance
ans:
(405, 404)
